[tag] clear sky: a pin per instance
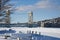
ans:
(42, 9)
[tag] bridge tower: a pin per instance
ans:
(2, 10)
(42, 24)
(30, 22)
(7, 17)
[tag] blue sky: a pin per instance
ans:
(42, 9)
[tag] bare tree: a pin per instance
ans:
(3, 8)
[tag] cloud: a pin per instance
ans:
(28, 7)
(40, 4)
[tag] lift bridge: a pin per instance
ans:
(5, 14)
(7, 19)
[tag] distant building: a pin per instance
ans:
(55, 22)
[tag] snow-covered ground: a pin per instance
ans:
(53, 32)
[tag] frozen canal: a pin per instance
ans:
(39, 33)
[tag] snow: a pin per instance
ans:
(54, 32)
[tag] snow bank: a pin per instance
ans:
(54, 32)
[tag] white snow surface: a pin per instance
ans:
(54, 32)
